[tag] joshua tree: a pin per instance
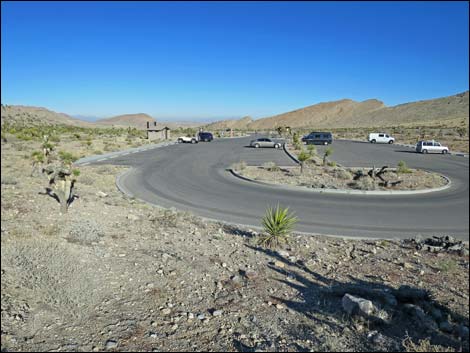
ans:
(277, 224)
(61, 185)
(328, 152)
(303, 157)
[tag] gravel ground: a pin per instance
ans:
(316, 176)
(116, 274)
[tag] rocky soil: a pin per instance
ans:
(115, 274)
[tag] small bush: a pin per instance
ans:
(239, 166)
(271, 166)
(402, 168)
(67, 157)
(277, 224)
(332, 164)
(97, 152)
(343, 174)
(423, 346)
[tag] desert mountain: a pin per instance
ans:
(27, 115)
(235, 124)
(349, 113)
(138, 121)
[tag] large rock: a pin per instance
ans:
(357, 306)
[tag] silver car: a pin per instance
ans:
(431, 147)
(266, 142)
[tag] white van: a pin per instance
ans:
(380, 137)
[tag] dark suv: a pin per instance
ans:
(318, 138)
(205, 136)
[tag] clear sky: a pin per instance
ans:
(197, 60)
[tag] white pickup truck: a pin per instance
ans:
(380, 137)
(187, 139)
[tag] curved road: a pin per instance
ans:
(194, 178)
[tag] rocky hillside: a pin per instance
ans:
(27, 115)
(235, 124)
(372, 112)
(133, 120)
(335, 113)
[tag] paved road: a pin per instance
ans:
(194, 178)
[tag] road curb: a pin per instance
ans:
(342, 191)
(284, 147)
(100, 157)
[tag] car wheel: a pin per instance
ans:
(180, 140)
(193, 141)
(445, 152)
(277, 145)
(424, 151)
(256, 145)
(390, 142)
(373, 141)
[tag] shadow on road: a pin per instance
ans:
(402, 151)
(403, 312)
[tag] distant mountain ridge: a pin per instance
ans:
(348, 113)
(337, 114)
(138, 120)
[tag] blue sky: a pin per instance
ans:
(206, 61)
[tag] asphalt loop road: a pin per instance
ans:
(194, 178)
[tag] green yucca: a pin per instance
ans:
(277, 223)
(303, 157)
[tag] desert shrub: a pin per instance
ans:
(239, 166)
(332, 164)
(97, 152)
(363, 184)
(278, 223)
(67, 157)
(424, 346)
(342, 174)
(402, 168)
(271, 166)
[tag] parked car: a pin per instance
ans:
(318, 138)
(431, 147)
(205, 136)
(187, 139)
(380, 137)
(266, 142)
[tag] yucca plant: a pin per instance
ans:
(328, 152)
(277, 224)
(303, 157)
